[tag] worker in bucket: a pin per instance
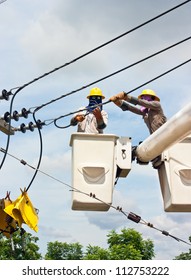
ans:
(92, 119)
(150, 109)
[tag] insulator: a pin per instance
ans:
(22, 128)
(6, 117)
(5, 94)
(133, 217)
(165, 232)
(39, 124)
(24, 113)
(15, 116)
(30, 126)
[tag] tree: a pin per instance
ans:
(129, 245)
(22, 246)
(64, 251)
(184, 256)
(96, 253)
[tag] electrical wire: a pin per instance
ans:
(83, 87)
(104, 44)
(78, 111)
(38, 108)
(55, 120)
(129, 215)
(1, 1)
(40, 153)
(63, 127)
(50, 121)
(66, 64)
(79, 57)
(112, 74)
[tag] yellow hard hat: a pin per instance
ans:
(95, 92)
(149, 92)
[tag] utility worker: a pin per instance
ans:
(91, 120)
(150, 109)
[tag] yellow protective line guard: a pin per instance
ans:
(23, 211)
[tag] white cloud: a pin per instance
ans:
(38, 36)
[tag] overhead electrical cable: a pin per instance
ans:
(40, 153)
(112, 74)
(18, 89)
(1, 1)
(47, 122)
(159, 76)
(129, 215)
(83, 87)
(104, 44)
(55, 120)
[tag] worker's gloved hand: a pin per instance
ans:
(97, 113)
(79, 118)
(144, 110)
(119, 96)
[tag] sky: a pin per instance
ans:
(39, 36)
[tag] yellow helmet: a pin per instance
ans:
(149, 92)
(95, 92)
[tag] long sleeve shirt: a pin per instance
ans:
(152, 114)
(90, 124)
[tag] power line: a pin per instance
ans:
(149, 81)
(129, 215)
(40, 135)
(50, 121)
(1, 1)
(159, 76)
(55, 120)
(114, 73)
(74, 60)
(103, 45)
(37, 108)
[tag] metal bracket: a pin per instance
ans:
(5, 128)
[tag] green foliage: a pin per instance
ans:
(129, 245)
(19, 247)
(96, 253)
(64, 251)
(126, 245)
(184, 256)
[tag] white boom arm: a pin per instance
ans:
(173, 131)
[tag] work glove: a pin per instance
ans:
(97, 113)
(119, 96)
(79, 118)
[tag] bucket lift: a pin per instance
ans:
(172, 142)
(175, 177)
(96, 159)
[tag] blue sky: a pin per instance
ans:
(38, 36)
